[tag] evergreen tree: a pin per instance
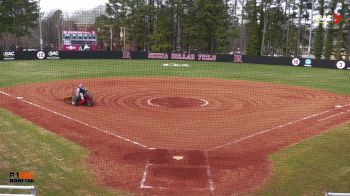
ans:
(253, 41)
(17, 16)
(330, 35)
(340, 35)
(319, 34)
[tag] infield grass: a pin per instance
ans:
(310, 168)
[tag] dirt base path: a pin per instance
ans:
(180, 136)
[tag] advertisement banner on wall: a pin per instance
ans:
(41, 55)
(341, 65)
(206, 57)
(182, 56)
(152, 55)
(126, 55)
(238, 58)
(9, 55)
(295, 62)
(308, 63)
(53, 55)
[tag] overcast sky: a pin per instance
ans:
(69, 5)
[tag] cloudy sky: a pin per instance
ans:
(70, 5)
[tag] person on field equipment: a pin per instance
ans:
(81, 96)
(80, 92)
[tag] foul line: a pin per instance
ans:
(274, 128)
(332, 116)
(78, 121)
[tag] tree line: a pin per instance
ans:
(18, 18)
(170, 25)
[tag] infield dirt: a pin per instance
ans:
(223, 130)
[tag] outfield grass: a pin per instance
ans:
(309, 168)
(19, 72)
(313, 167)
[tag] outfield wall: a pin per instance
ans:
(288, 61)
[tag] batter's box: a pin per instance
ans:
(177, 169)
(168, 177)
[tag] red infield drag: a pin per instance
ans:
(181, 136)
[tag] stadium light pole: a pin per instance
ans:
(111, 34)
(124, 38)
(311, 23)
(40, 30)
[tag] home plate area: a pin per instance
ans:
(177, 169)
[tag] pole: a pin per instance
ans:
(242, 33)
(59, 33)
(40, 31)
(310, 33)
(124, 37)
(111, 33)
(299, 28)
(264, 31)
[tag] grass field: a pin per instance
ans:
(310, 168)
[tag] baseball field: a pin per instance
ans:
(205, 128)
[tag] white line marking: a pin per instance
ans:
(205, 102)
(19, 97)
(338, 106)
(4, 93)
(168, 188)
(331, 116)
(80, 122)
(142, 183)
(271, 129)
(210, 179)
(150, 103)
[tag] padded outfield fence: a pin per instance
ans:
(287, 61)
(11, 187)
